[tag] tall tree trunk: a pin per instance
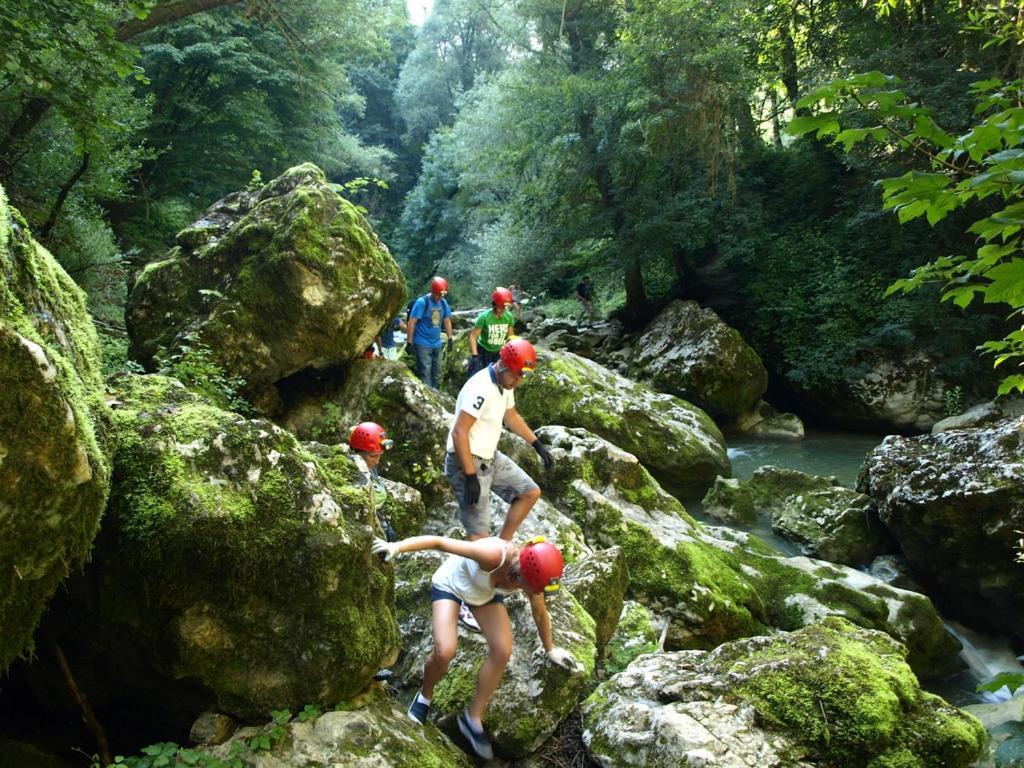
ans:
(29, 118)
(62, 196)
(637, 305)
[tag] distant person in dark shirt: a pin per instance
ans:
(585, 296)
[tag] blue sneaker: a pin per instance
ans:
(477, 739)
(418, 710)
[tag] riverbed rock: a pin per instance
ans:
(955, 503)
(830, 694)
(677, 442)
(983, 414)
(271, 283)
(54, 425)
(233, 568)
(765, 422)
(715, 584)
(635, 635)
(366, 732)
(688, 351)
(729, 501)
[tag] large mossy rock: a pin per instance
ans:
(713, 585)
(955, 503)
(599, 582)
(274, 282)
(820, 516)
(831, 695)
(677, 442)
(367, 732)
(233, 567)
(54, 444)
(689, 352)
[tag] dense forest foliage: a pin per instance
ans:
(643, 142)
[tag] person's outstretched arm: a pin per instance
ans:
(487, 553)
(541, 617)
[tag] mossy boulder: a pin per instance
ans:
(366, 732)
(54, 441)
(831, 694)
(634, 636)
(689, 352)
(677, 442)
(824, 519)
(599, 582)
(275, 282)
(715, 584)
(729, 500)
(955, 503)
(233, 568)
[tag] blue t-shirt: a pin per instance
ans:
(387, 339)
(429, 316)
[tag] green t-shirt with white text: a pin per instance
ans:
(494, 329)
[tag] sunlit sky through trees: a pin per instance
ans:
(418, 10)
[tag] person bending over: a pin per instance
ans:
(479, 573)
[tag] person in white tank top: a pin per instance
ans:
(478, 573)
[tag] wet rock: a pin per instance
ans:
(830, 694)
(955, 503)
(54, 431)
(983, 414)
(635, 635)
(765, 422)
(729, 500)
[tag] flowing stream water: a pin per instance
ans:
(840, 454)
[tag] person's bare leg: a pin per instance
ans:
(446, 640)
(517, 512)
(497, 630)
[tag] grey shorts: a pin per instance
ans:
(500, 475)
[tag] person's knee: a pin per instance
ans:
(531, 495)
(500, 652)
(443, 654)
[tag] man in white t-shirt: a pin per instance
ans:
(474, 465)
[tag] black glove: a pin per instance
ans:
(544, 453)
(471, 492)
(450, 343)
(474, 364)
(408, 349)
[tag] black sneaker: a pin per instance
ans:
(477, 739)
(418, 710)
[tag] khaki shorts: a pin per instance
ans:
(499, 475)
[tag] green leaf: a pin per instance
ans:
(1007, 283)
(825, 124)
(1006, 386)
(1012, 680)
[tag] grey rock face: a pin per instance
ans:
(955, 503)
(689, 352)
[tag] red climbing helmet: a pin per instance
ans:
(501, 297)
(541, 565)
(369, 437)
(519, 356)
(439, 285)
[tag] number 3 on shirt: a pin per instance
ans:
(477, 403)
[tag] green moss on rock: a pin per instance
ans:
(54, 442)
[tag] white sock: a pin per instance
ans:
(477, 724)
(422, 699)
